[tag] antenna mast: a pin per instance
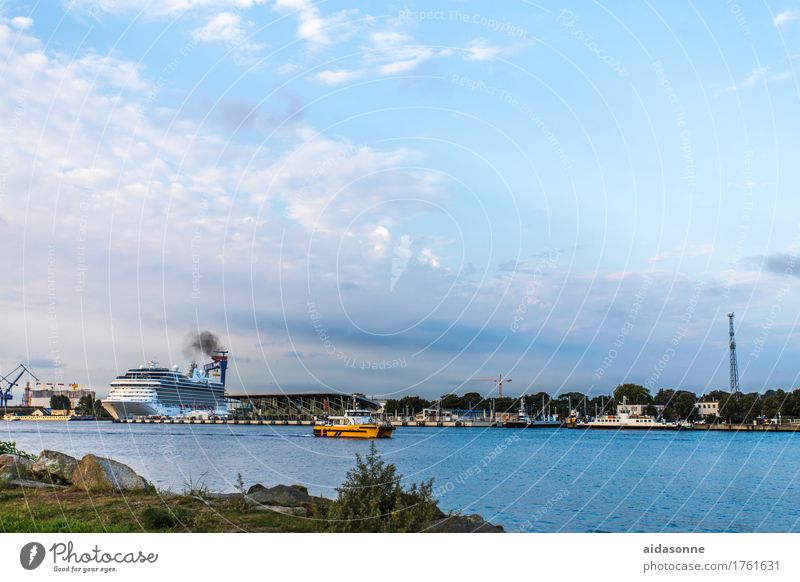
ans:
(734, 367)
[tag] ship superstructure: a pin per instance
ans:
(151, 390)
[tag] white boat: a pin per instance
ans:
(150, 390)
(625, 419)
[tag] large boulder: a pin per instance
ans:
(54, 466)
(13, 467)
(281, 495)
(465, 524)
(101, 474)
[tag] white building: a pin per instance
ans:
(710, 408)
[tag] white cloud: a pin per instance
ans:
(315, 29)
(142, 197)
(107, 71)
(160, 8)
(395, 53)
(785, 17)
(480, 50)
(228, 28)
(689, 252)
(287, 69)
(758, 76)
(428, 257)
(336, 77)
(21, 22)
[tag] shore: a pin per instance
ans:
(58, 493)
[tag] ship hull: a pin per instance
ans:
(124, 410)
(353, 431)
(627, 426)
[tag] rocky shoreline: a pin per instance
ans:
(56, 473)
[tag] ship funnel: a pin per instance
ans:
(219, 361)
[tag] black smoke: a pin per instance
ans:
(204, 342)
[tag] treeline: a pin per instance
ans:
(677, 404)
(87, 405)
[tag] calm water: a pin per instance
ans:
(535, 480)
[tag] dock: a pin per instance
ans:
(279, 422)
(787, 427)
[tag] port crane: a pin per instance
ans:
(7, 384)
(500, 380)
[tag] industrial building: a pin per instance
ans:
(296, 406)
(38, 395)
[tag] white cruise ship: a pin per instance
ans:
(149, 391)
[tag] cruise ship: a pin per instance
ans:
(152, 391)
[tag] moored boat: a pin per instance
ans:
(525, 421)
(626, 419)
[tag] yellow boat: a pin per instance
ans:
(355, 424)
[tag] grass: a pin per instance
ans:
(71, 511)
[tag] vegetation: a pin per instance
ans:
(668, 403)
(634, 393)
(88, 406)
(372, 499)
(73, 511)
(60, 402)
(9, 448)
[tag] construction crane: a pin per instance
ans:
(735, 390)
(7, 384)
(500, 380)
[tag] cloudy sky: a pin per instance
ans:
(396, 198)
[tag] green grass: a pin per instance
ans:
(71, 511)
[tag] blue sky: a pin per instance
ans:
(395, 198)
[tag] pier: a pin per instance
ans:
(787, 427)
(306, 422)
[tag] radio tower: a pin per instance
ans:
(734, 367)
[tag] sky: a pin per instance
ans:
(399, 198)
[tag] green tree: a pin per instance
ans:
(85, 405)
(770, 406)
(372, 499)
(683, 405)
(60, 402)
(635, 394)
(664, 396)
(99, 411)
(407, 404)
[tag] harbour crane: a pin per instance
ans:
(500, 380)
(7, 384)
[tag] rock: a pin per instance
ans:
(16, 468)
(31, 484)
(282, 495)
(54, 466)
(101, 474)
(465, 524)
(7, 458)
(295, 511)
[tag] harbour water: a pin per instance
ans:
(546, 480)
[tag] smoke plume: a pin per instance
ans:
(204, 342)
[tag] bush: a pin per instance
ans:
(9, 448)
(164, 517)
(372, 499)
